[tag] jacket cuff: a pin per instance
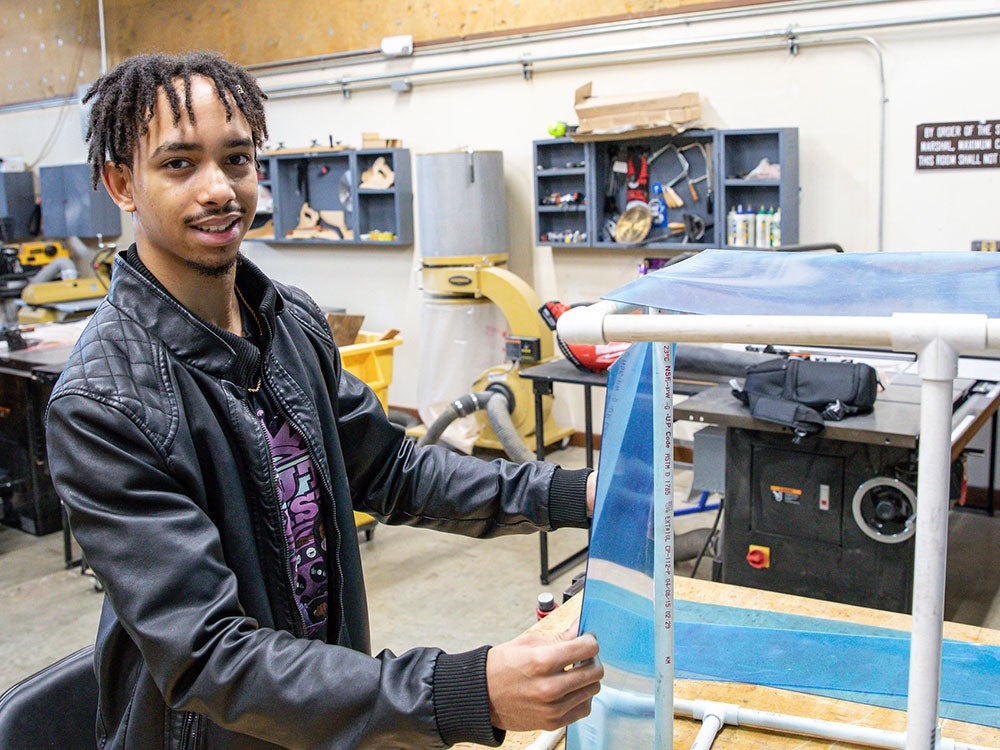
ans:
(462, 701)
(568, 498)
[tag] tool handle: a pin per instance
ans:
(694, 193)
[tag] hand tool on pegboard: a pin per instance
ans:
(634, 224)
(695, 227)
(637, 181)
(618, 158)
(670, 196)
(706, 178)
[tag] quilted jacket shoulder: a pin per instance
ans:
(118, 362)
(305, 310)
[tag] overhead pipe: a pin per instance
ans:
(465, 46)
(527, 63)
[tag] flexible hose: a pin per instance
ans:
(460, 407)
(63, 268)
(498, 410)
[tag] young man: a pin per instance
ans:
(211, 450)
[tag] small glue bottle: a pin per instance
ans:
(546, 604)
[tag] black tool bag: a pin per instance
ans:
(801, 393)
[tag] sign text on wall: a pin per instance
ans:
(958, 145)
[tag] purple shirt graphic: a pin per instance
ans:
(298, 495)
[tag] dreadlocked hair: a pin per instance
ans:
(124, 99)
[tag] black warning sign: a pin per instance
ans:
(958, 145)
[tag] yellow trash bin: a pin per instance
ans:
(370, 359)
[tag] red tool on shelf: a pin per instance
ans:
(637, 181)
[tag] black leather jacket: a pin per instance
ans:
(169, 483)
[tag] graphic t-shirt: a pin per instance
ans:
(298, 495)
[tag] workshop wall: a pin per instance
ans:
(316, 27)
(831, 92)
(47, 48)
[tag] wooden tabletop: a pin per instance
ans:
(772, 699)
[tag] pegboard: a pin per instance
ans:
(264, 31)
(47, 48)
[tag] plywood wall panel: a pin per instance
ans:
(47, 48)
(248, 31)
(264, 31)
(50, 47)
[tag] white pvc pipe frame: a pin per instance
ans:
(714, 715)
(937, 339)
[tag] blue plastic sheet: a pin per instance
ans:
(745, 282)
(822, 657)
(618, 597)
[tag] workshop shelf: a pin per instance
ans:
(320, 196)
(709, 164)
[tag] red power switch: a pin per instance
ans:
(759, 557)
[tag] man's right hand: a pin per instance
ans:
(533, 684)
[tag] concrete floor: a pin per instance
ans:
(425, 588)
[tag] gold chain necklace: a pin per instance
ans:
(256, 322)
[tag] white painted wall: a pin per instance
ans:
(933, 73)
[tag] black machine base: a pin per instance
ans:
(791, 526)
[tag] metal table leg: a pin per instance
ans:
(542, 388)
(991, 484)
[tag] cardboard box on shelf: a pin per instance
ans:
(655, 113)
(374, 140)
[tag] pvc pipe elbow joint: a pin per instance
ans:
(585, 325)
